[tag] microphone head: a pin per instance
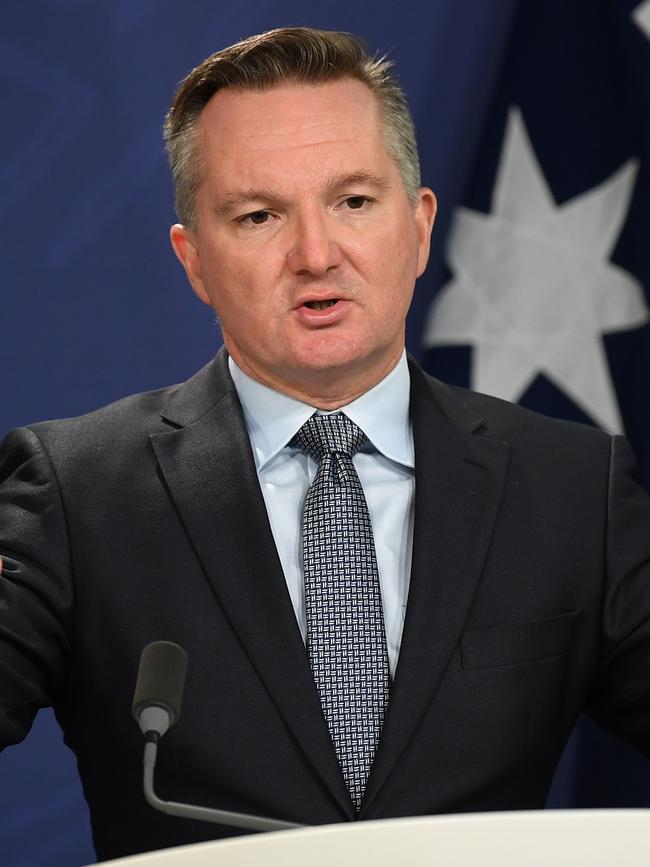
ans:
(161, 679)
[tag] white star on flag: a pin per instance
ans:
(533, 287)
(641, 16)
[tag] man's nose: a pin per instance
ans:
(315, 249)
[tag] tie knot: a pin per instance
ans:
(323, 434)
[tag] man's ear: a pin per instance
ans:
(425, 215)
(186, 248)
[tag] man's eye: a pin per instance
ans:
(257, 218)
(355, 203)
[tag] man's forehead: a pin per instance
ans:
(290, 141)
(291, 107)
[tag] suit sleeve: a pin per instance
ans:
(621, 699)
(36, 597)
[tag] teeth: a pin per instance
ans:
(320, 305)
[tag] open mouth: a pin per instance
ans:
(321, 305)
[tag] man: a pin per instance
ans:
(497, 578)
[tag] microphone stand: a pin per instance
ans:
(205, 814)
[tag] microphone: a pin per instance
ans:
(159, 687)
(156, 708)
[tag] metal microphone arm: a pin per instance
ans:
(206, 814)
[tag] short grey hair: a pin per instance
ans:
(288, 54)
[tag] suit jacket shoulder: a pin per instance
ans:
(124, 422)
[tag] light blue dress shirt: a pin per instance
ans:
(386, 468)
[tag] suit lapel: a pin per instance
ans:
(459, 478)
(208, 467)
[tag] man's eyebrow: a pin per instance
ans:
(231, 201)
(362, 178)
(265, 198)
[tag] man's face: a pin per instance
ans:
(306, 245)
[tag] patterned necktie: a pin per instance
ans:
(346, 642)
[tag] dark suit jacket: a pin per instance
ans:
(529, 600)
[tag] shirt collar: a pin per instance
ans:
(382, 413)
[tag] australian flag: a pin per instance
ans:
(546, 294)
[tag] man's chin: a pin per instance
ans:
(332, 363)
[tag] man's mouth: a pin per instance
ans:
(321, 305)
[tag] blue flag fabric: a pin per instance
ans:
(545, 295)
(545, 300)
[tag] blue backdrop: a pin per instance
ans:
(94, 305)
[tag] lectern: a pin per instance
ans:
(544, 838)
